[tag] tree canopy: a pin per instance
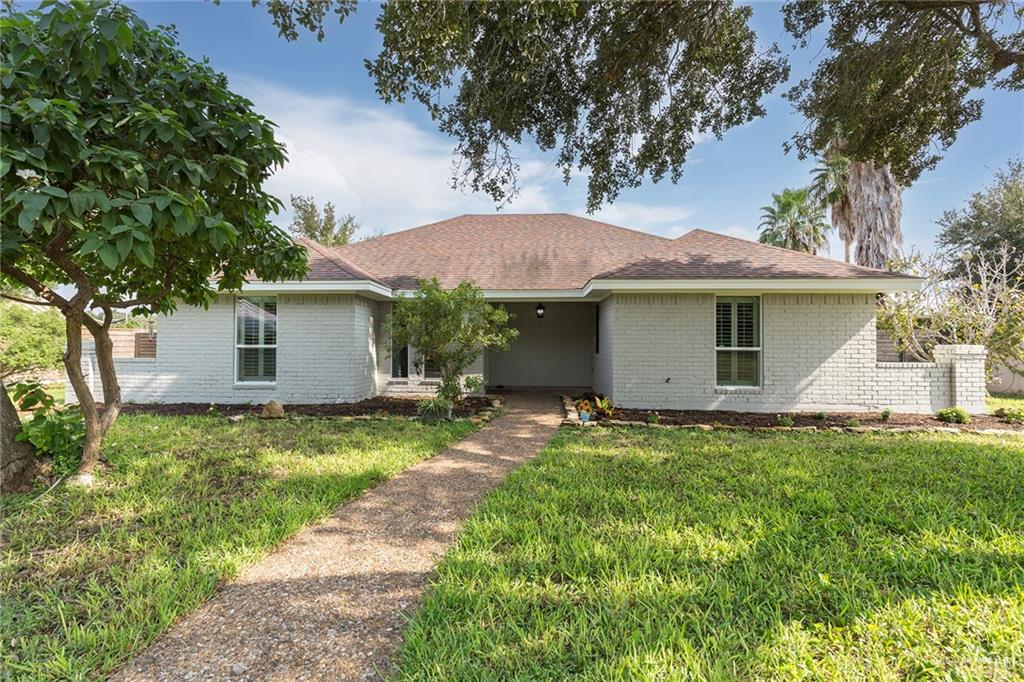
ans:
(131, 173)
(31, 340)
(898, 80)
(993, 217)
(622, 90)
(322, 227)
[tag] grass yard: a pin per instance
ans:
(1005, 401)
(656, 554)
(86, 578)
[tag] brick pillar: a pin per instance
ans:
(966, 375)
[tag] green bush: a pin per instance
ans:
(821, 416)
(59, 434)
(783, 420)
(434, 408)
(886, 414)
(653, 417)
(953, 415)
(851, 423)
(1013, 415)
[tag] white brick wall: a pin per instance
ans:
(818, 354)
(657, 351)
(325, 353)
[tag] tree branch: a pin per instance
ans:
(36, 286)
(29, 301)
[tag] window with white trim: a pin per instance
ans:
(738, 341)
(256, 339)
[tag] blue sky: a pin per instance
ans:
(390, 167)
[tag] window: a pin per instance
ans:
(597, 328)
(256, 339)
(400, 362)
(738, 341)
(430, 369)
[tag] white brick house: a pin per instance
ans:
(704, 321)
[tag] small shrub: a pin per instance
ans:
(603, 408)
(886, 414)
(1013, 415)
(783, 420)
(653, 418)
(583, 405)
(851, 423)
(434, 408)
(953, 415)
(58, 434)
(820, 416)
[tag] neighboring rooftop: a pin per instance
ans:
(562, 251)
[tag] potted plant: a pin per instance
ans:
(584, 409)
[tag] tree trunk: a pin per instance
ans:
(876, 207)
(17, 459)
(108, 374)
(86, 402)
(846, 249)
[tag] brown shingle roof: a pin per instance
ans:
(562, 251)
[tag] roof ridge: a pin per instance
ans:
(787, 251)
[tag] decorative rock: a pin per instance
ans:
(236, 417)
(239, 668)
(272, 410)
(82, 480)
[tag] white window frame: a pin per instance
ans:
(759, 348)
(240, 346)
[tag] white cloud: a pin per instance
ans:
(373, 162)
(664, 220)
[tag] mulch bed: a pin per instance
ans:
(832, 419)
(379, 406)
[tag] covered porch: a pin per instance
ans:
(555, 348)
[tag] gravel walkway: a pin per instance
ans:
(331, 602)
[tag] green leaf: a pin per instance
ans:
(124, 244)
(145, 253)
(142, 212)
(31, 206)
(124, 35)
(183, 226)
(91, 246)
(108, 27)
(162, 202)
(109, 256)
(80, 201)
(36, 104)
(54, 191)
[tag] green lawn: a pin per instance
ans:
(1004, 400)
(88, 577)
(655, 555)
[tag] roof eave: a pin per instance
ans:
(779, 285)
(364, 287)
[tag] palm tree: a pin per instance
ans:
(794, 221)
(866, 205)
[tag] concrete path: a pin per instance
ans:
(331, 602)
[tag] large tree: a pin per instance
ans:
(992, 218)
(622, 90)
(131, 175)
(898, 80)
(321, 226)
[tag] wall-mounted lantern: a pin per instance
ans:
(540, 310)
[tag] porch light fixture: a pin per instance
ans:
(540, 310)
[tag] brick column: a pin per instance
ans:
(966, 375)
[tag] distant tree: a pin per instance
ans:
(794, 220)
(325, 228)
(450, 329)
(898, 80)
(131, 175)
(31, 340)
(993, 217)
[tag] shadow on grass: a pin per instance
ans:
(622, 554)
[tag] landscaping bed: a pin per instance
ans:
(805, 419)
(379, 406)
(729, 419)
